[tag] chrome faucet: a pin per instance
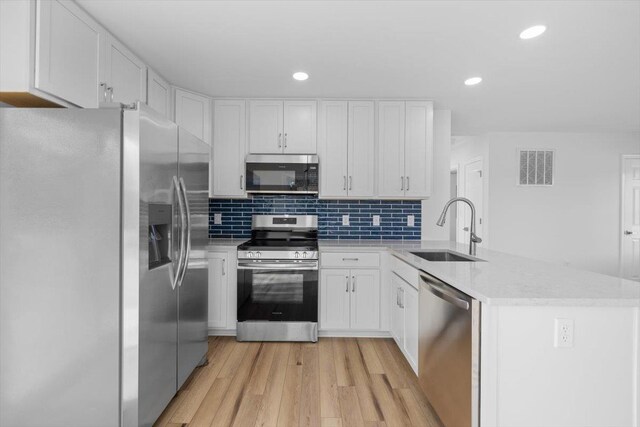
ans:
(473, 238)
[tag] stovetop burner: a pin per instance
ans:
(282, 237)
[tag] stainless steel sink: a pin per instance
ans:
(444, 256)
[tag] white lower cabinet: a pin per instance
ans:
(350, 299)
(404, 318)
(222, 286)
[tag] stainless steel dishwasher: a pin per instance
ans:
(449, 352)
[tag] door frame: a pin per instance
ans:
(621, 205)
(462, 192)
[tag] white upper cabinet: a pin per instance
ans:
(300, 121)
(125, 74)
(266, 127)
(347, 149)
(282, 127)
(418, 163)
(332, 148)
(193, 113)
(68, 53)
(391, 149)
(361, 149)
(405, 149)
(229, 148)
(158, 93)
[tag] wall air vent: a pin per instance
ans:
(536, 167)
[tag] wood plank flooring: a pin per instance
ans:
(337, 382)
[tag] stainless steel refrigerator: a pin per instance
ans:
(103, 280)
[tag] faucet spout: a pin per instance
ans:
(473, 238)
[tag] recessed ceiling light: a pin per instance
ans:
(300, 75)
(473, 81)
(532, 32)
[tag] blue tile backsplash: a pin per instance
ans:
(236, 216)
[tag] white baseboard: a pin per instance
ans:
(217, 332)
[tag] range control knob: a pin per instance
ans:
(304, 254)
(250, 254)
(297, 254)
(258, 254)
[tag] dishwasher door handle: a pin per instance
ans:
(444, 293)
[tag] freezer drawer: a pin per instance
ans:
(449, 344)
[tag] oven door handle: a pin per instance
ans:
(277, 266)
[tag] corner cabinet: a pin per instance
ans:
(229, 148)
(277, 127)
(193, 112)
(347, 149)
(158, 93)
(405, 149)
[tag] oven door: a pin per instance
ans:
(278, 291)
(281, 177)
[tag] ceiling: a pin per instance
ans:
(583, 74)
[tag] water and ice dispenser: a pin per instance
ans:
(159, 234)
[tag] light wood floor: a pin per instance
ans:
(337, 382)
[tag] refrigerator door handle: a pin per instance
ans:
(187, 227)
(176, 278)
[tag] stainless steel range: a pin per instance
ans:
(278, 280)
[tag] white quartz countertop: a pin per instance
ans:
(500, 278)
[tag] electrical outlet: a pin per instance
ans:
(563, 337)
(217, 218)
(376, 220)
(345, 219)
(411, 220)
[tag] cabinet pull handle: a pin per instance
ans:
(401, 298)
(285, 140)
(280, 140)
(241, 182)
(104, 91)
(402, 183)
(350, 259)
(224, 261)
(353, 283)
(398, 297)
(344, 186)
(407, 183)
(350, 181)
(110, 90)
(347, 287)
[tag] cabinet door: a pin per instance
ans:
(229, 148)
(218, 288)
(418, 163)
(126, 75)
(158, 93)
(365, 299)
(410, 301)
(193, 114)
(361, 149)
(265, 127)
(332, 148)
(334, 299)
(397, 313)
(67, 59)
(300, 124)
(391, 149)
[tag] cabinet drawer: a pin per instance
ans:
(350, 259)
(408, 273)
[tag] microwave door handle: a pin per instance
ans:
(176, 276)
(187, 240)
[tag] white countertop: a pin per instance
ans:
(502, 279)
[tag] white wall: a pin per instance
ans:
(432, 207)
(576, 221)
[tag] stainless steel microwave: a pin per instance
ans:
(281, 174)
